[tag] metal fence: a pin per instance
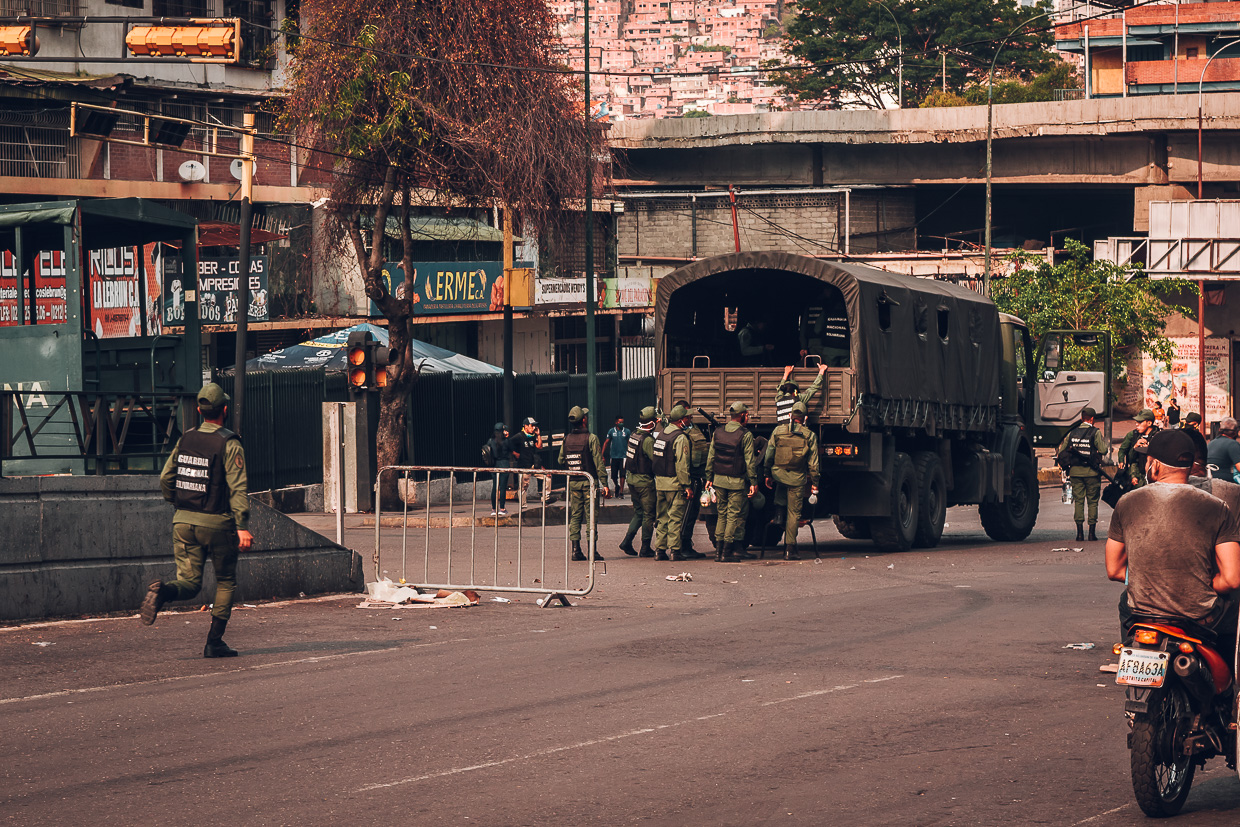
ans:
(463, 548)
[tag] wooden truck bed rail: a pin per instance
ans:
(715, 389)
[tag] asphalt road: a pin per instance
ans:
(928, 688)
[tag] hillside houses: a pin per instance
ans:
(665, 58)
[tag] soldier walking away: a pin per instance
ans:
(672, 482)
(788, 393)
(699, 447)
(1081, 454)
(205, 478)
(1131, 461)
(639, 468)
(732, 471)
(581, 452)
(614, 445)
(791, 462)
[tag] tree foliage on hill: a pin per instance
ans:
(1080, 293)
(455, 101)
(848, 49)
(1043, 87)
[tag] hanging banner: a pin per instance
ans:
(627, 292)
(218, 280)
(1152, 380)
(48, 304)
(115, 304)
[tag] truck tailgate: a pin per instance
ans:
(715, 389)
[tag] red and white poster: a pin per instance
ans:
(48, 305)
(116, 299)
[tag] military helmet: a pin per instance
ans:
(677, 413)
(577, 413)
(1088, 413)
(648, 414)
(758, 501)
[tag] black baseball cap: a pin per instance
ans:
(1173, 448)
(1201, 450)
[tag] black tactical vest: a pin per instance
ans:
(729, 458)
(664, 456)
(200, 482)
(1081, 441)
(835, 331)
(577, 455)
(635, 459)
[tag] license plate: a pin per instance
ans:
(1141, 667)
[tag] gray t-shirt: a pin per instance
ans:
(1223, 454)
(1169, 532)
(1226, 491)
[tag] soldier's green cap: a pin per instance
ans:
(1194, 417)
(677, 413)
(648, 414)
(577, 414)
(212, 398)
(790, 385)
(739, 408)
(1088, 413)
(1144, 415)
(799, 408)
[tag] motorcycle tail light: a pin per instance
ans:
(1146, 636)
(1186, 648)
(1117, 648)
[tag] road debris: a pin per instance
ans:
(384, 594)
(683, 577)
(500, 600)
(1078, 550)
(1081, 646)
(42, 643)
(891, 565)
(690, 594)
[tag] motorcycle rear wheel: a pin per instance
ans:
(1161, 774)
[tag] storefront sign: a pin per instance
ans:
(448, 287)
(627, 292)
(218, 280)
(49, 305)
(559, 291)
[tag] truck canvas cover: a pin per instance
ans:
(912, 340)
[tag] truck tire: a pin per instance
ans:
(932, 499)
(853, 528)
(897, 531)
(1012, 520)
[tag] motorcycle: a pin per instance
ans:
(1181, 706)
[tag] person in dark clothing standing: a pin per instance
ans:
(499, 452)
(1224, 453)
(1173, 413)
(614, 446)
(205, 478)
(525, 447)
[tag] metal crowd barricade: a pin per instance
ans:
(509, 545)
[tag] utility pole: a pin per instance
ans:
(243, 264)
(509, 404)
(591, 358)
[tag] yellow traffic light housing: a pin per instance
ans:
(206, 41)
(18, 41)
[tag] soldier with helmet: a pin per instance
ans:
(791, 463)
(788, 393)
(639, 470)
(1081, 454)
(732, 471)
(581, 452)
(205, 478)
(673, 482)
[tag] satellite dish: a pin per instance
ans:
(192, 171)
(237, 168)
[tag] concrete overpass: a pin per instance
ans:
(1084, 168)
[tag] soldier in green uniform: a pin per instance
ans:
(732, 471)
(639, 470)
(788, 393)
(791, 462)
(205, 479)
(581, 451)
(699, 446)
(672, 482)
(1131, 462)
(1082, 451)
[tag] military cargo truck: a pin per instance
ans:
(929, 399)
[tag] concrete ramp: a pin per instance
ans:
(77, 545)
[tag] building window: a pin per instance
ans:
(258, 44)
(41, 8)
(1191, 52)
(183, 8)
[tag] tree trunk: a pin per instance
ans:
(390, 439)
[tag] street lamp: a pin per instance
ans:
(990, 119)
(899, 56)
(1200, 87)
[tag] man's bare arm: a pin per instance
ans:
(1117, 560)
(1227, 558)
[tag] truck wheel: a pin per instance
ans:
(932, 499)
(1012, 520)
(853, 528)
(897, 531)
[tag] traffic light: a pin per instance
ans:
(207, 43)
(368, 361)
(18, 41)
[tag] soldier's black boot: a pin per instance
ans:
(216, 647)
(646, 550)
(662, 555)
(1080, 532)
(157, 594)
(790, 552)
(720, 550)
(577, 555)
(627, 546)
(733, 554)
(1093, 531)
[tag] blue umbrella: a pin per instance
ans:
(328, 352)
